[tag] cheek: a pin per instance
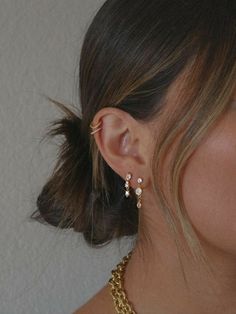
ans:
(209, 189)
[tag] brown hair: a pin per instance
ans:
(132, 53)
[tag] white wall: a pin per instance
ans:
(41, 270)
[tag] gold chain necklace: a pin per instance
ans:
(118, 294)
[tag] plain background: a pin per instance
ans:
(42, 270)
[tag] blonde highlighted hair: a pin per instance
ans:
(132, 53)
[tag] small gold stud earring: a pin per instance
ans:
(127, 184)
(138, 192)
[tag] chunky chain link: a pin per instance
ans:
(118, 294)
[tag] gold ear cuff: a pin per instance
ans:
(95, 128)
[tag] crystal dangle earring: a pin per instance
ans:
(138, 192)
(127, 185)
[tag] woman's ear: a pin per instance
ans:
(123, 142)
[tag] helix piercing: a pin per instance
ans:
(96, 127)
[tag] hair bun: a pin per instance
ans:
(69, 200)
(70, 126)
(59, 198)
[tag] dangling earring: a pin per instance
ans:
(138, 192)
(127, 185)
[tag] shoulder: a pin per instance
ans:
(100, 303)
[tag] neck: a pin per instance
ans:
(155, 284)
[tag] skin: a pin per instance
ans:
(153, 278)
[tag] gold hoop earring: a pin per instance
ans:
(95, 128)
(138, 192)
(127, 184)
